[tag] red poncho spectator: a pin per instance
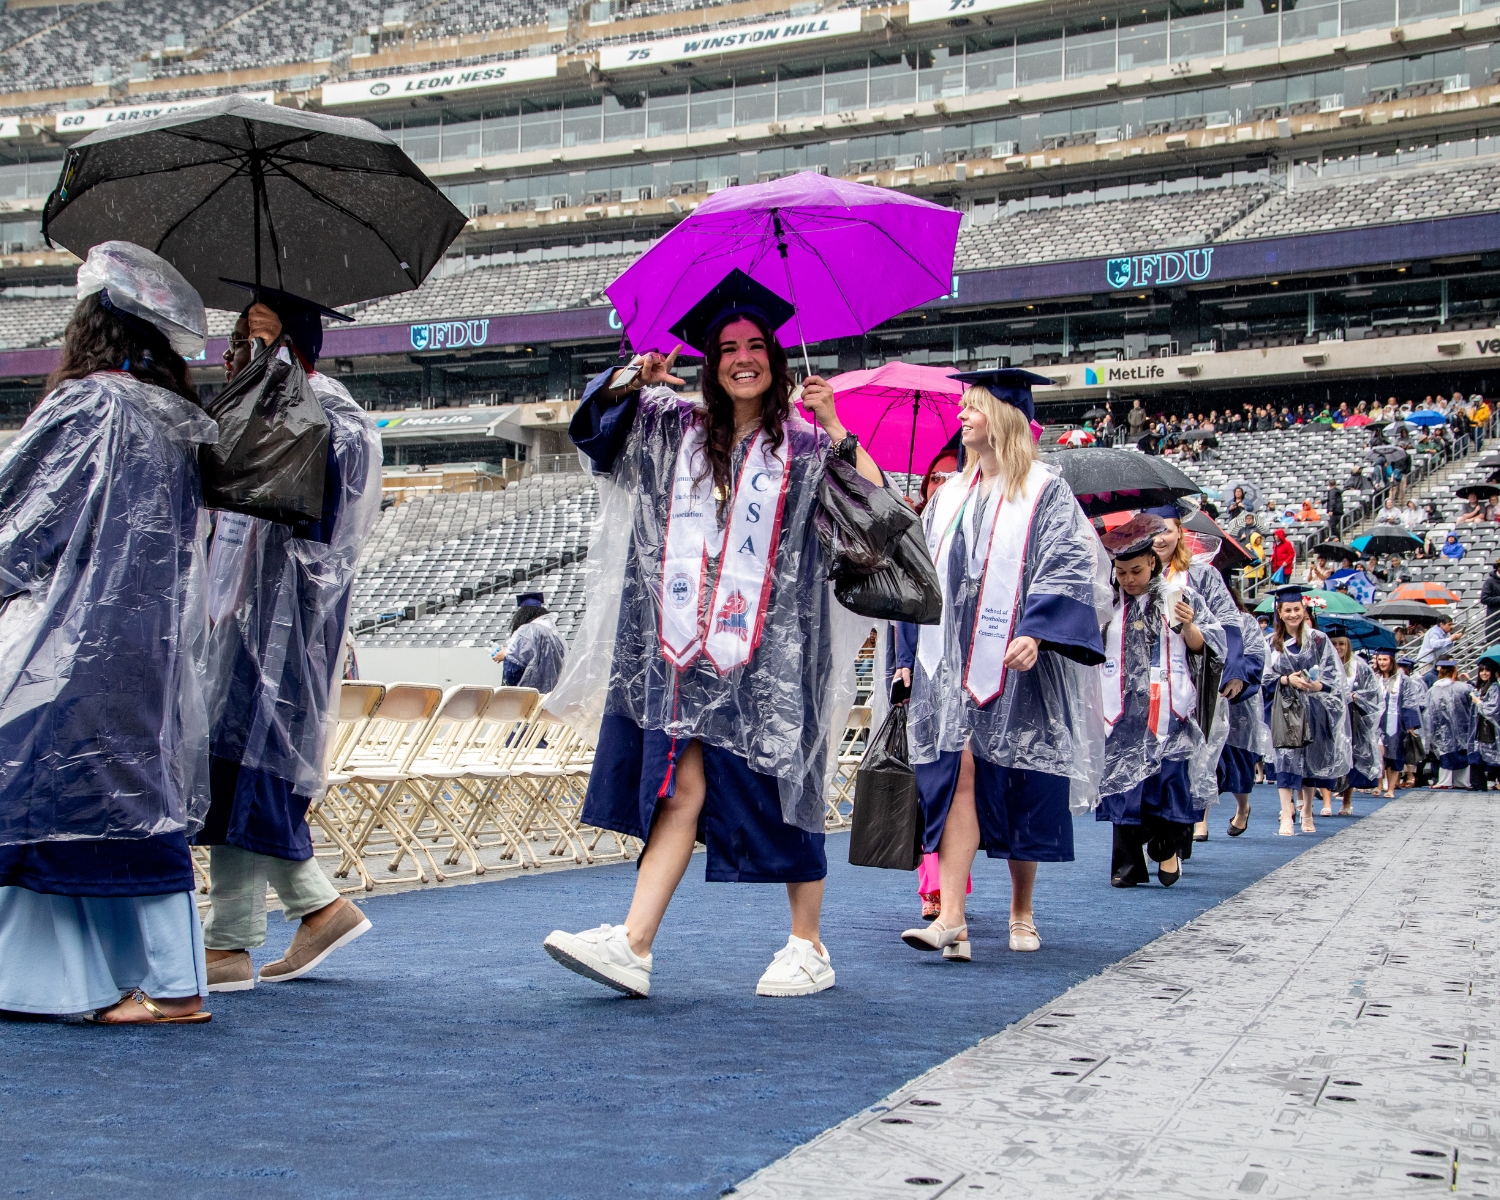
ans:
(1282, 558)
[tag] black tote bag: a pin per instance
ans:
(1289, 725)
(887, 829)
(272, 452)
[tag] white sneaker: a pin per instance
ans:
(604, 955)
(797, 970)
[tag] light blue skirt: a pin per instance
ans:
(61, 955)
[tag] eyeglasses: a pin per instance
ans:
(236, 345)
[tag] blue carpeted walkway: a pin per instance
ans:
(446, 1055)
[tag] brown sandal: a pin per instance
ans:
(158, 1016)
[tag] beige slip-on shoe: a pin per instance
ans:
(308, 949)
(233, 974)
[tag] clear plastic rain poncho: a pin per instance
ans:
(1330, 753)
(1419, 697)
(1247, 721)
(778, 710)
(1049, 718)
(145, 285)
(103, 731)
(1489, 706)
(279, 599)
(1366, 705)
(1132, 751)
(1455, 715)
(538, 649)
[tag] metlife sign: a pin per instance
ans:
(730, 41)
(102, 118)
(395, 87)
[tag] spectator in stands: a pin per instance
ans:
(1437, 644)
(103, 733)
(766, 627)
(1236, 504)
(1307, 514)
(275, 656)
(1335, 505)
(1264, 421)
(1474, 510)
(1489, 596)
(1430, 513)
(1453, 549)
(533, 657)
(1318, 572)
(1283, 557)
(1136, 420)
(1412, 517)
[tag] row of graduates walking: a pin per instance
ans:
(166, 672)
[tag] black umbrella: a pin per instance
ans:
(1197, 435)
(327, 207)
(1095, 413)
(1107, 480)
(1388, 539)
(1336, 550)
(1386, 453)
(1490, 460)
(1408, 611)
(1483, 489)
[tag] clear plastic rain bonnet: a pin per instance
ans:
(145, 285)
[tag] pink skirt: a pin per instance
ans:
(929, 882)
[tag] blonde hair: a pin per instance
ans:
(1182, 554)
(1010, 437)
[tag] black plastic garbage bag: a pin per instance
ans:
(887, 829)
(272, 451)
(881, 567)
(1289, 725)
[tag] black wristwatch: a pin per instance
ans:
(848, 449)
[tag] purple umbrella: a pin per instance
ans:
(848, 256)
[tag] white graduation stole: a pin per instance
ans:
(1006, 535)
(1392, 706)
(728, 628)
(1172, 686)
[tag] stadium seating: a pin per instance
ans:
(33, 322)
(1345, 202)
(519, 287)
(1111, 227)
(1289, 465)
(452, 17)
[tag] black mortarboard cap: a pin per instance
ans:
(526, 598)
(1165, 511)
(1009, 384)
(1447, 662)
(302, 320)
(1133, 538)
(736, 295)
(1290, 593)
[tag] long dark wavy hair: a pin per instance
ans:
(99, 340)
(775, 406)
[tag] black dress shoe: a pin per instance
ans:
(1168, 878)
(1123, 878)
(1201, 837)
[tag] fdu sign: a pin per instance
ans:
(450, 335)
(1159, 270)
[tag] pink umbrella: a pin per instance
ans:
(848, 256)
(903, 413)
(1356, 419)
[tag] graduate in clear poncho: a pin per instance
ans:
(533, 655)
(279, 606)
(1399, 719)
(1159, 768)
(103, 729)
(1484, 762)
(1454, 715)
(1366, 702)
(707, 661)
(1302, 660)
(1004, 716)
(1248, 740)
(1416, 751)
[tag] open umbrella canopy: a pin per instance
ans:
(1428, 592)
(1364, 634)
(1428, 417)
(1319, 601)
(1383, 454)
(1207, 537)
(903, 413)
(1488, 490)
(329, 208)
(1107, 480)
(1387, 540)
(848, 255)
(1490, 461)
(1197, 435)
(1076, 438)
(1336, 550)
(1094, 414)
(1492, 655)
(1407, 612)
(1251, 490)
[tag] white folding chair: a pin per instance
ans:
(327, 814)
(850, 753)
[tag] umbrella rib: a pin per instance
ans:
(356, 218)
(214, 191)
